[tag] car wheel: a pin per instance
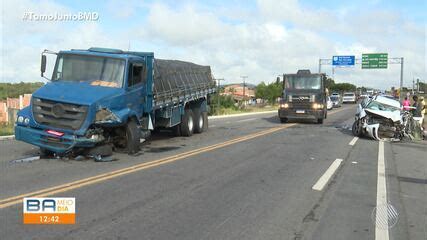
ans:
(357, 128)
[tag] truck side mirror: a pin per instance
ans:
(43, 65)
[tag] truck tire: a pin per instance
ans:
(206, 121)
(187, 123)
(177, 130)
(199, 121)
(283, 120)
(133, 136)
(320, 120)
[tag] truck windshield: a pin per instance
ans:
(302, 82)
(99, 71)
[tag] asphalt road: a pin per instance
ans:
(248, 177)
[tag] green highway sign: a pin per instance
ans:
(374, 60)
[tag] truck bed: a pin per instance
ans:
(176, 81)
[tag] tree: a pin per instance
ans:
(13, 90)
(269, 92)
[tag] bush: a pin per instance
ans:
(6, 129)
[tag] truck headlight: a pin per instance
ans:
(317, 106)
(27, 121)
(20, 119)
(284, 105)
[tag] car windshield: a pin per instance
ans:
(334, 98)
(99, 71)
(348, 94)
(302, 82)
(375, 105)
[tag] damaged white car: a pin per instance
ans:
(382, 118)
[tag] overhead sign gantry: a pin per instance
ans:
(368, 61)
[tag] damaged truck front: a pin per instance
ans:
(104, 99)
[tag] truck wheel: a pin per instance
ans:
(320, 120)
(283, 120)
(206, 121)
(199, 121)
(187, 124)
(44, 153)
(177, 130)
(133, 136)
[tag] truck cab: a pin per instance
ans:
(304, 97)
(93, 94)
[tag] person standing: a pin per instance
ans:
(415, 108)
(406, 104)
(422, 106)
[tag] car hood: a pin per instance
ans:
(75, 92)
(393, 115)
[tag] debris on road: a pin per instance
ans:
(27, 159)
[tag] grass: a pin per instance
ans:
(6, 129)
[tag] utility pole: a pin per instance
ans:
(219, 89)
(418, 85)
(401, 79)
(413, 85)
(244, 86)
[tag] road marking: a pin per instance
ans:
(353, 141)
(212, 126)
(138, 167)
(109, 175)
(324, 179)
(247, 120)
(381, 233)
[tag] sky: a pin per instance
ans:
(259, 39)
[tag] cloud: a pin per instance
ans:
(271, 38)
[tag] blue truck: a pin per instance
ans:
(100, 100)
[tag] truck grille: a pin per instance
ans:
(300, 98)
(59, 115)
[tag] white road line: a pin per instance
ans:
(324, 179)
(247, 120)
(353, 141)
(381, 233)
(212, 126)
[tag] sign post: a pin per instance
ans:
(343, 61)
(374, 60)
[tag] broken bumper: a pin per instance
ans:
(52, 143)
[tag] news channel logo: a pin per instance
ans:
(53, 210)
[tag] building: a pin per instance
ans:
(236, 91)
(10, 107)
